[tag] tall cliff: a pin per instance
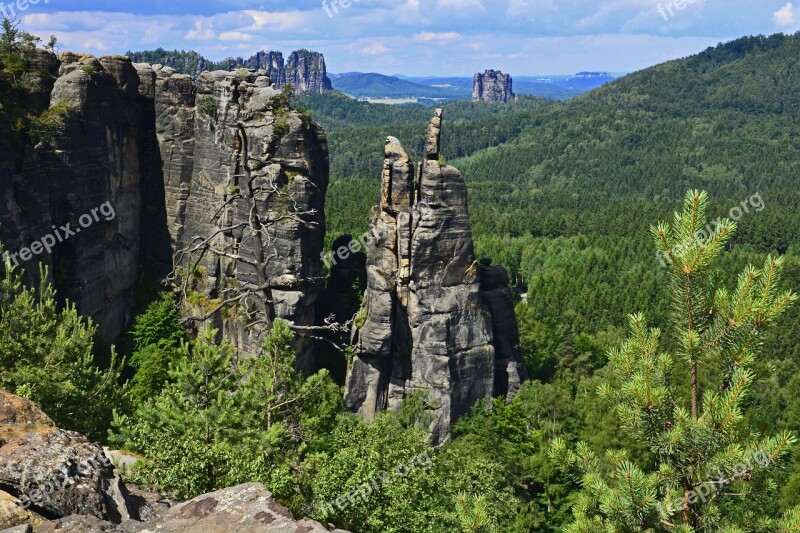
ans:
(245, 182)
(427, 324)
(73, 191)
(128, 167)
(492, 86)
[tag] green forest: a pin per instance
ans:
(662, 363)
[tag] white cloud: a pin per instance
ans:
(428, 36)
(784, 17)
(375, 49)
(95, 44)
(235, 36)
(280, 21)
(202, 31)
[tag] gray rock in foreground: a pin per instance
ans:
(56, 472)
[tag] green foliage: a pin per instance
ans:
(205, 103)
(46, 354)
(157, 337)
(242, 74)
(694, 427)
(182, 61)
(50, 123)
(217, 423)
(282, 103)
(281, 127)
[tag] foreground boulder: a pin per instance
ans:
(248, 508)
(56, 480)
(55, 472)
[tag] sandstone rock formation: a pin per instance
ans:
(492, 86)
(304, 69)
(95, 157)
(230, 155)
(163, 152)
(424, 327)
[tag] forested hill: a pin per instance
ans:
(725, 120)
(564, 195)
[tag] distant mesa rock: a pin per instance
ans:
(585, 75)
(492, 86)
(429, 315)
(304, 69)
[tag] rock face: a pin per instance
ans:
(55, 472)
(425, 327)
(213, 188)
(304, 69)
(85, 173)
(492, 86)
(137, 166)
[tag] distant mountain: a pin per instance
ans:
(377, 86)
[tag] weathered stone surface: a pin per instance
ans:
(424, 326)
(55, 472)
(13, 516)
(248, 508)
(200, 129)
(492, 86)
(95, 158)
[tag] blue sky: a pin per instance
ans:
(418, 37)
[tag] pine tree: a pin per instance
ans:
(705, 459)
(188, 434)
(46, 355)
(218, 423)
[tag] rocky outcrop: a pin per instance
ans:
(510, 370)
(424, 326)
(248, 508)
(56, 480)
(304, 69)
(74, 191)
(231, 153)
(130, 163)
(55, 472)
(492, 86)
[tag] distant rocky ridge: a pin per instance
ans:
(434, 321)
(304, 69)
(492, 86)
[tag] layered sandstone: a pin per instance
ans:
(425, 327)
(202, 127)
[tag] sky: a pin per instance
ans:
(415, 37)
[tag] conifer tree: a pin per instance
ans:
(687, 406)
(46, 355)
